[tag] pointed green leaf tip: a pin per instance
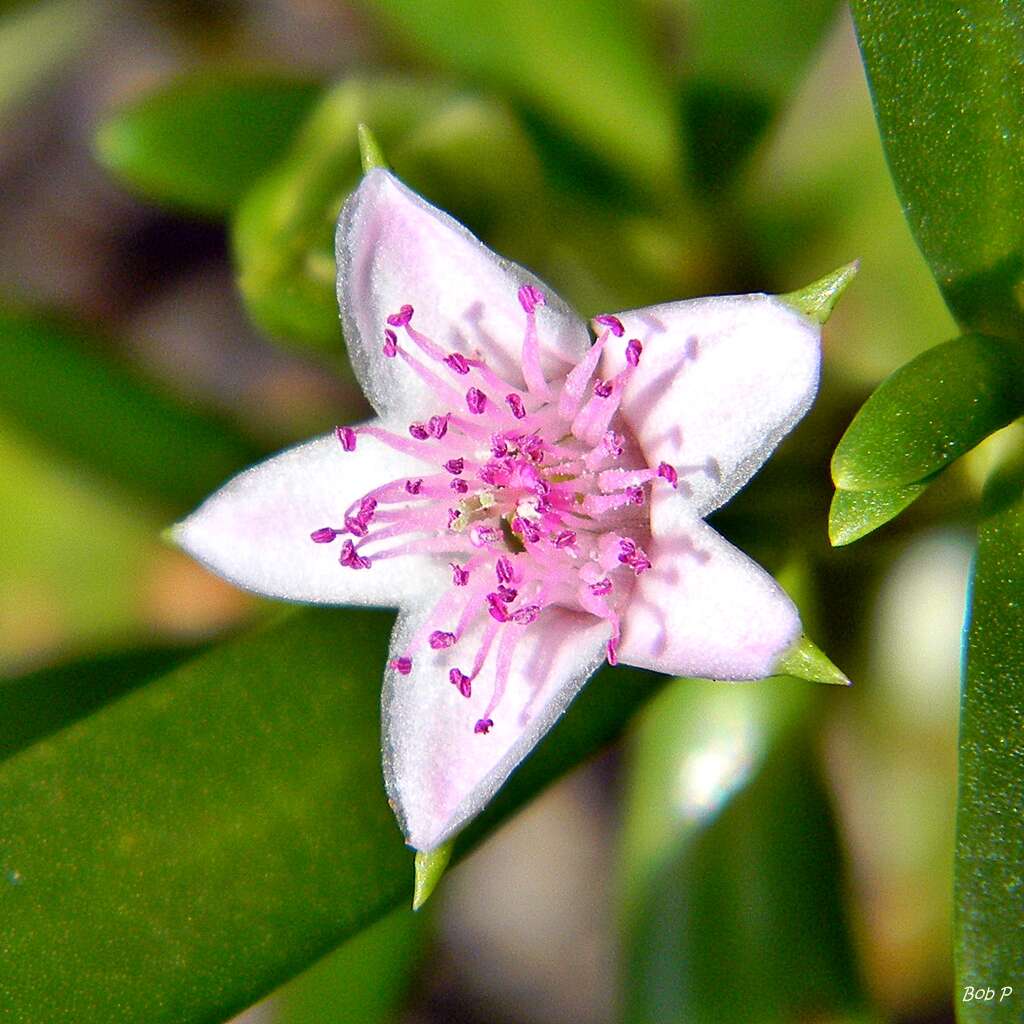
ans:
(369, 150)
(806, 661)
(430, 866)
(817, 300)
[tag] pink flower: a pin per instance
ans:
(531, 502)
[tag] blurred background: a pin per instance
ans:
(169, 178)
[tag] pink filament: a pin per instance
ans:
(532, 488)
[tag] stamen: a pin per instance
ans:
(455, 466)
(390, 343)
(524, 616)
(413, 486)
(440, 640)
(458, 678)
(530, 298)
(613, 323)
(347, 437)
(403, 665)
(603, 388)
(503, 570)
(601, 587)
(459, 486)
(496, 608)
(460, 576)
(323, 536)
(419, 431)
(613, 651)
(483, 726)
(515, 403)
(438, 426)
(476, 400)
(458, 362)
(668, 473)
(351, 559)
(402, 317)
(633, 350)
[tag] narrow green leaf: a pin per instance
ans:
(363, 982)
(184, 850)
(929, 412)
(817, 300)
(582, 64)
(117, 424)
(202, 141)
(741, 62)
(730, 868)
(990, 840)
(948, 87)
(854, 514)
(38, 704)
(453, 148)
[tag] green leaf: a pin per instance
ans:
(363, 982)
(743, 59)
(38, 704)
(582, 64)
(990, 841)
(183, 851)
(948, 87)
(929, 412)
(730, 867)
(116, 424)
(453, 148)
(202, 141)
(854, 514)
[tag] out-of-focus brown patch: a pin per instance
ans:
(294, 400)
(32, 623)
(180, 597)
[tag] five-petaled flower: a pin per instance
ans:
(531, 501)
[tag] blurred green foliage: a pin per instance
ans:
(728, 851)
(450, 145)
(134, 432)
(201, 142)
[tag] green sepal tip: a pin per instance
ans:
(817, 300)
(370, 152)
(430, 866)
(804, 660)
(169, 535)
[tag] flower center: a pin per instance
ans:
(537, 493)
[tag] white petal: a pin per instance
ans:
(255, 531)
(720, 382)
(705, 608)
(439, 773)
(393, 249)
